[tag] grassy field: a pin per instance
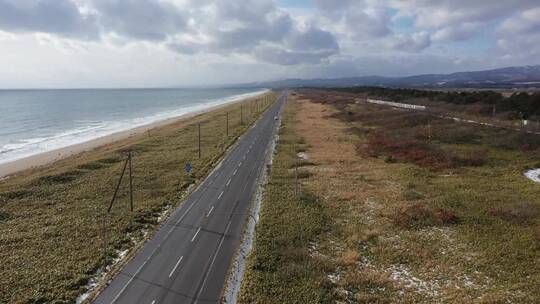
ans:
(280, 269)
(51, 240)
(416, 210)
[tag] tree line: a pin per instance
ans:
(522, 104)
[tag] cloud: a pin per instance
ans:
(139, 19)
(457, 20)
(255, 28)
(459, 32)
(258, 29)
(411, 43)
(442, 13)
(59, 17)
(518, 37)
(358, 20)
(332, 38)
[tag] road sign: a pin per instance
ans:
(188, 167)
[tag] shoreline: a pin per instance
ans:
(14, 167)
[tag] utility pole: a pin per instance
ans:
(104, 235)
(429, 130)
(295, 169)
(130, 183)
(118, 185)
(199, 127)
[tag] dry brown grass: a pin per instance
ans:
(365, 195)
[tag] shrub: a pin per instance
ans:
(4, 216)
(11, 195)
(523, 213)
(473, 158)
(455, 133)
(304, 174)
(412, 195)
(91, 166)
(415, 216)
(408, 150)
(302, 163)
(389, 159)
(349, 258)
(446, 217)
(419, 215)
(61, 178)
(111, 160)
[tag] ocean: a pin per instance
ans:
(37, 121)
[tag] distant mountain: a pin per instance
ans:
(510, 77)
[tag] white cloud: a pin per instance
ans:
(148, 42)
(518, 37)
(411, 43)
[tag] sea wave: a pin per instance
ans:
(90, 130)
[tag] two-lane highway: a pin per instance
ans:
(188, 258)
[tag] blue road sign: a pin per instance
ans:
(188, 167)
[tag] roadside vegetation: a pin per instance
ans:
(280, 269)
(418, 209)
(51, 218)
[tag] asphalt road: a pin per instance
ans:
(188, 258)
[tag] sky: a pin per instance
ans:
(186, 43)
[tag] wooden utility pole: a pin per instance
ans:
(130, 183)
(118, 185)
(199, 127)
(104, 235)
(295, 169)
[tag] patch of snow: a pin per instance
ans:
(99, 275)
(164, 213)
(334, 277)
(397, 104)
(533, 174)
(401, 274)
(302, 155)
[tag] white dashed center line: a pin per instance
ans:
(228, 182)
(234, 173)
(173, 270)
(198, 230)
(153, 302)
(239, 164)
(220, 195)
(211, 209)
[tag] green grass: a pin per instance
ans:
(51, 218)
(280, 269)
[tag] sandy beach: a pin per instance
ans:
(50, 157)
